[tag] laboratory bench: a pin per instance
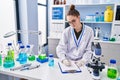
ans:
(44, 72)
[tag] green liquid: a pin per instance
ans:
(11, 53)
(42, 56)
(0, 60)
(31, 58)
(112, 73)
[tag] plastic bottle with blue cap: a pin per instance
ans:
(112, 71)
(22, 55)
(0, 60)
(97, 17)
(10, 50)
(51, 60)
(18, 46)
(31, 57)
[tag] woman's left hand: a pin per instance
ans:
(80, 63)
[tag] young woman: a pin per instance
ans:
(75, 43)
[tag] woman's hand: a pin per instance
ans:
(66, 62)
(80, 63)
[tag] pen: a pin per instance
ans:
(30, 67)
(70, 71)
(19, 67)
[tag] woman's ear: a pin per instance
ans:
(79, 17)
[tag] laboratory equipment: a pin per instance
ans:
(106, 37)
(97, 16)
(31, 57)
(42, 56)
(97, 33)
(118, 78)
(90, 18)
(9, 34)
(8, 62)
(19, 43)
(95, 62)
(30, 67)
(22, 57)
(10, 50)
(102, 16)
(20, 67)
(108, 14)
(0, 60)
(51, 60)
(112, 71)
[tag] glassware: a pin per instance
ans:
(42, 53)
(22, 58)
(102, 16)
(118, 78)
(0, 60)
(10, 50)
(31, 57)
(51, 60)
(97, 17)
(8, 62)
(18, 46)
(112, 71)
(106, 37)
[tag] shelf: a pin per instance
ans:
(96, 4)
(100, 41)
(96, 22)
(109, 42)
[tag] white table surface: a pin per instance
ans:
(44, 72)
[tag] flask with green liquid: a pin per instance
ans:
(112, 71)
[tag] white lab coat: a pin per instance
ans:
(71, 48)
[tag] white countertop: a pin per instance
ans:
(44, 72)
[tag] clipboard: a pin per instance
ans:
(72, 69)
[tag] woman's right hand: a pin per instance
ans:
(66, 62)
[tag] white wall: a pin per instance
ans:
(29, 21)
(7, 24)
(110, 51)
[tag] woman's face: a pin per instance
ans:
(73, 21)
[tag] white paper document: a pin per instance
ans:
(69, 69)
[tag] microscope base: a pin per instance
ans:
(95, 77)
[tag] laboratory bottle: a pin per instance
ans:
(28, 51)
(18, 46)
(10, 50)
(102, 16)
(108, 14)
(0, 60)
(112, 71)
(97, 17)
(51, 60)
(22, 55)
(31, 57)
(106, 36)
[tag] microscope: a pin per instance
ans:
(95, 64)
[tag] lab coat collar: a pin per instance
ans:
(77, 42)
